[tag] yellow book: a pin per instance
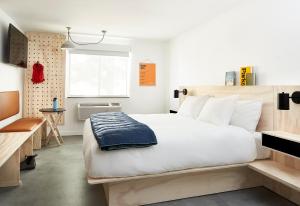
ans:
(243, 72)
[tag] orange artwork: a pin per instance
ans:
(147, 74)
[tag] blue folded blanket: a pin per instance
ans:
(116, 130)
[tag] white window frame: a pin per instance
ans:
(96, 52)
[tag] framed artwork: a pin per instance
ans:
(147, 74)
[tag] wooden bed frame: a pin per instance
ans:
(146, 189)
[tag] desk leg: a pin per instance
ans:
(52, 132)
(10, 171)
(55, 123)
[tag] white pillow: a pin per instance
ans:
(218, 111)
(192, 105)
(247, 114)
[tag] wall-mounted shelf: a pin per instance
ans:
(279, 172)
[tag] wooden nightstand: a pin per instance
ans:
(284, 166)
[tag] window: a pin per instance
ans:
(98, 74)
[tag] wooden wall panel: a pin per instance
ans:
(287, 120)
(45, 48)
(271, 118)
(262, 93)
(286, 160)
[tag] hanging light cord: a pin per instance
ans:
(86, 43)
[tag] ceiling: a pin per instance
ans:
(154, 19)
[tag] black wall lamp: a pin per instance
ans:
(176, 93)
(283, 100)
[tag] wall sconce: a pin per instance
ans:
(283, 100)
(176, 93)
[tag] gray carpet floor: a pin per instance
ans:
(59, 180)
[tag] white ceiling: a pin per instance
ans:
(155, 19)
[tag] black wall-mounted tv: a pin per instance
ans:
(17, 47)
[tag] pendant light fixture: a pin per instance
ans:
(70, 43)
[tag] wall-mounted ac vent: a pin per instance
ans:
(86, 109)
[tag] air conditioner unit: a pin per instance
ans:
(86, 109)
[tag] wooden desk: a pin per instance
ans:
(52, 117)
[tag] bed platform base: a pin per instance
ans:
(147, 189)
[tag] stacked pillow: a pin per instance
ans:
(218, 111)
(192, 106)
(247, 114)
(223, 111)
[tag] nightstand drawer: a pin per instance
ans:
(282, 145)
(173, 111)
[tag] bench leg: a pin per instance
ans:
(39, 137)
(26, 148)
(10, 171)
(37, 140)
(44, 133)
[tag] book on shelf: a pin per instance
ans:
(230, 78)
(244, 72)
(250, 79)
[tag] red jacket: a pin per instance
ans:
(37, 73)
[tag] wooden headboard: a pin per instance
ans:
(271, 118)
(9, 104)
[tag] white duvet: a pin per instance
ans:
(183, 143)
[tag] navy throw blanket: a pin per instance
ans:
(116, 130)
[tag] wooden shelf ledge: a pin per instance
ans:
(279, 172)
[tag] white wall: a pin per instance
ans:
(152, 99)
(262, 33)
(11, 77)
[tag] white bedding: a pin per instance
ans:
(183, 143)
(262, 152)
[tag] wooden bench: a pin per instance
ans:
(14, 146)
(17, 139)
(28, 125)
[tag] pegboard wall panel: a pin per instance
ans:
(45, 48)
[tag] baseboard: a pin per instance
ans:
(70, 133)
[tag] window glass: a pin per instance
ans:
(98, 75)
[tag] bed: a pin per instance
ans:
(192, 158)
(196, 144)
